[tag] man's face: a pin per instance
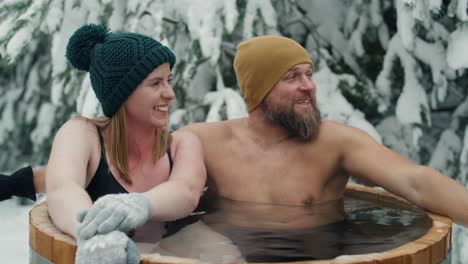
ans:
(291, 103)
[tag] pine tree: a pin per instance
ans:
(395, 69)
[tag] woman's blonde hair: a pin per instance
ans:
(117, 143)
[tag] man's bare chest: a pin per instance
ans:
(290, 176)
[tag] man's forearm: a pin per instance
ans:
(442, 195)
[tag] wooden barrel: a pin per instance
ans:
(49, 245)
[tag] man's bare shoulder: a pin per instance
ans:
(341, 133)
(330, 124)
(330, 129)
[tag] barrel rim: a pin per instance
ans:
(433, 247)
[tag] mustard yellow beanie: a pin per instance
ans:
(260, 62)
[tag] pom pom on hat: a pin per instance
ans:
(82, 42)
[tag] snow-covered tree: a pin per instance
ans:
(395, 69)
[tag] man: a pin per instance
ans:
(282, 153)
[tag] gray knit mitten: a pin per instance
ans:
(122, 212)
(111, 248)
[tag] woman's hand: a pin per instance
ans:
(111, 248)
(122, 212)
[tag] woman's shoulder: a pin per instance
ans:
(183, 136)
(79, 122)
(78, 128)
(185, 140)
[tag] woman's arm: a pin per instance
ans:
(179, 196)
(171, 200)
(66, 173)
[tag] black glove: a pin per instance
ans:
(20, 183)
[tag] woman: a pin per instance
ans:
(126, 162)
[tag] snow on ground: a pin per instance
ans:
(14, 230)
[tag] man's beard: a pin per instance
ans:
(304, 125)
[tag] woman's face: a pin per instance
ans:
(149, 103)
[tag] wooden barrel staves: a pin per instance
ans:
(49, 245)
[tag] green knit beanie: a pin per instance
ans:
(117, 62)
